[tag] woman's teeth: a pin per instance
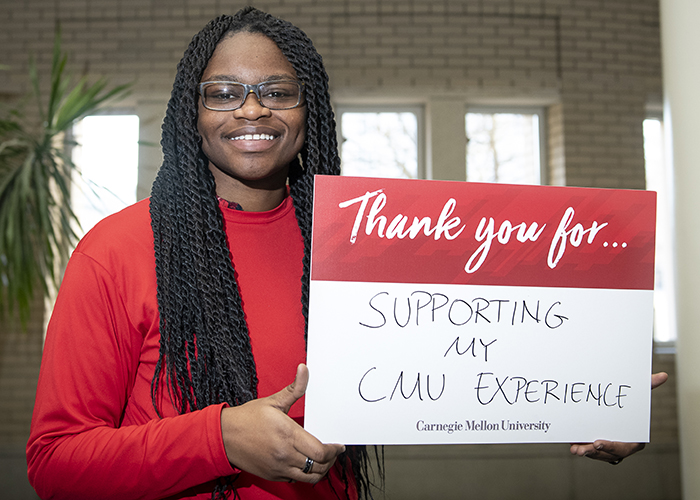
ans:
(253, 137)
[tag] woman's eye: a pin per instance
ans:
(224, 94)
(281, 93)
(276, 94)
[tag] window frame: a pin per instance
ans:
(541, 113)
(665, 346)
(113, 112)
(418, 110)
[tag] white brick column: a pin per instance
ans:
(681, 75)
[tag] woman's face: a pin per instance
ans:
(263, 160)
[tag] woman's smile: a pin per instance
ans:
(253, 139)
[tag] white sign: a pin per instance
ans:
(446, 312)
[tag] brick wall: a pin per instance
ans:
(20, 357)
(594, 64)
(598, 60)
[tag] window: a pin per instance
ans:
(504, 146)
(107, 159)
(658, 180)
(381, 143)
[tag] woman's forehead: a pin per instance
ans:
(248, 58)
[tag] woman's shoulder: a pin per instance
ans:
(126, 234)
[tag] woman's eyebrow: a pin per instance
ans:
(234, 78)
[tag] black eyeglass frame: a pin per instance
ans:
(253, 88)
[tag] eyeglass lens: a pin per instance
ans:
(231, 95)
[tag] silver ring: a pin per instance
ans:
(615, 462)
(307, 467)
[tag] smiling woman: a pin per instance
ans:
(181, 320)
(251, 171)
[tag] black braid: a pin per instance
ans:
(202, 324)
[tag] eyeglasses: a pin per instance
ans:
(227, 96)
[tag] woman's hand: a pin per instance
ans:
(613, 451)
(261, 439)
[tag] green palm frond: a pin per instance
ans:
(36, 219)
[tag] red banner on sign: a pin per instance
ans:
(403, 231)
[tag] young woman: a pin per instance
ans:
(181, 320)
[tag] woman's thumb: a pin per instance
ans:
(285, 398)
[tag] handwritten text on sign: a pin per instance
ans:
(446, 312)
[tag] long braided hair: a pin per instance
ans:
(202, 324)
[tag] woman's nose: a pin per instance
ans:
(251, 108)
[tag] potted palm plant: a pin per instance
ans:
(37, 224)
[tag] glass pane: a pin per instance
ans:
(657, 180)
(380, 144)
(503, 147)
(107, 157)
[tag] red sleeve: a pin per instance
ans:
(78, 447)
